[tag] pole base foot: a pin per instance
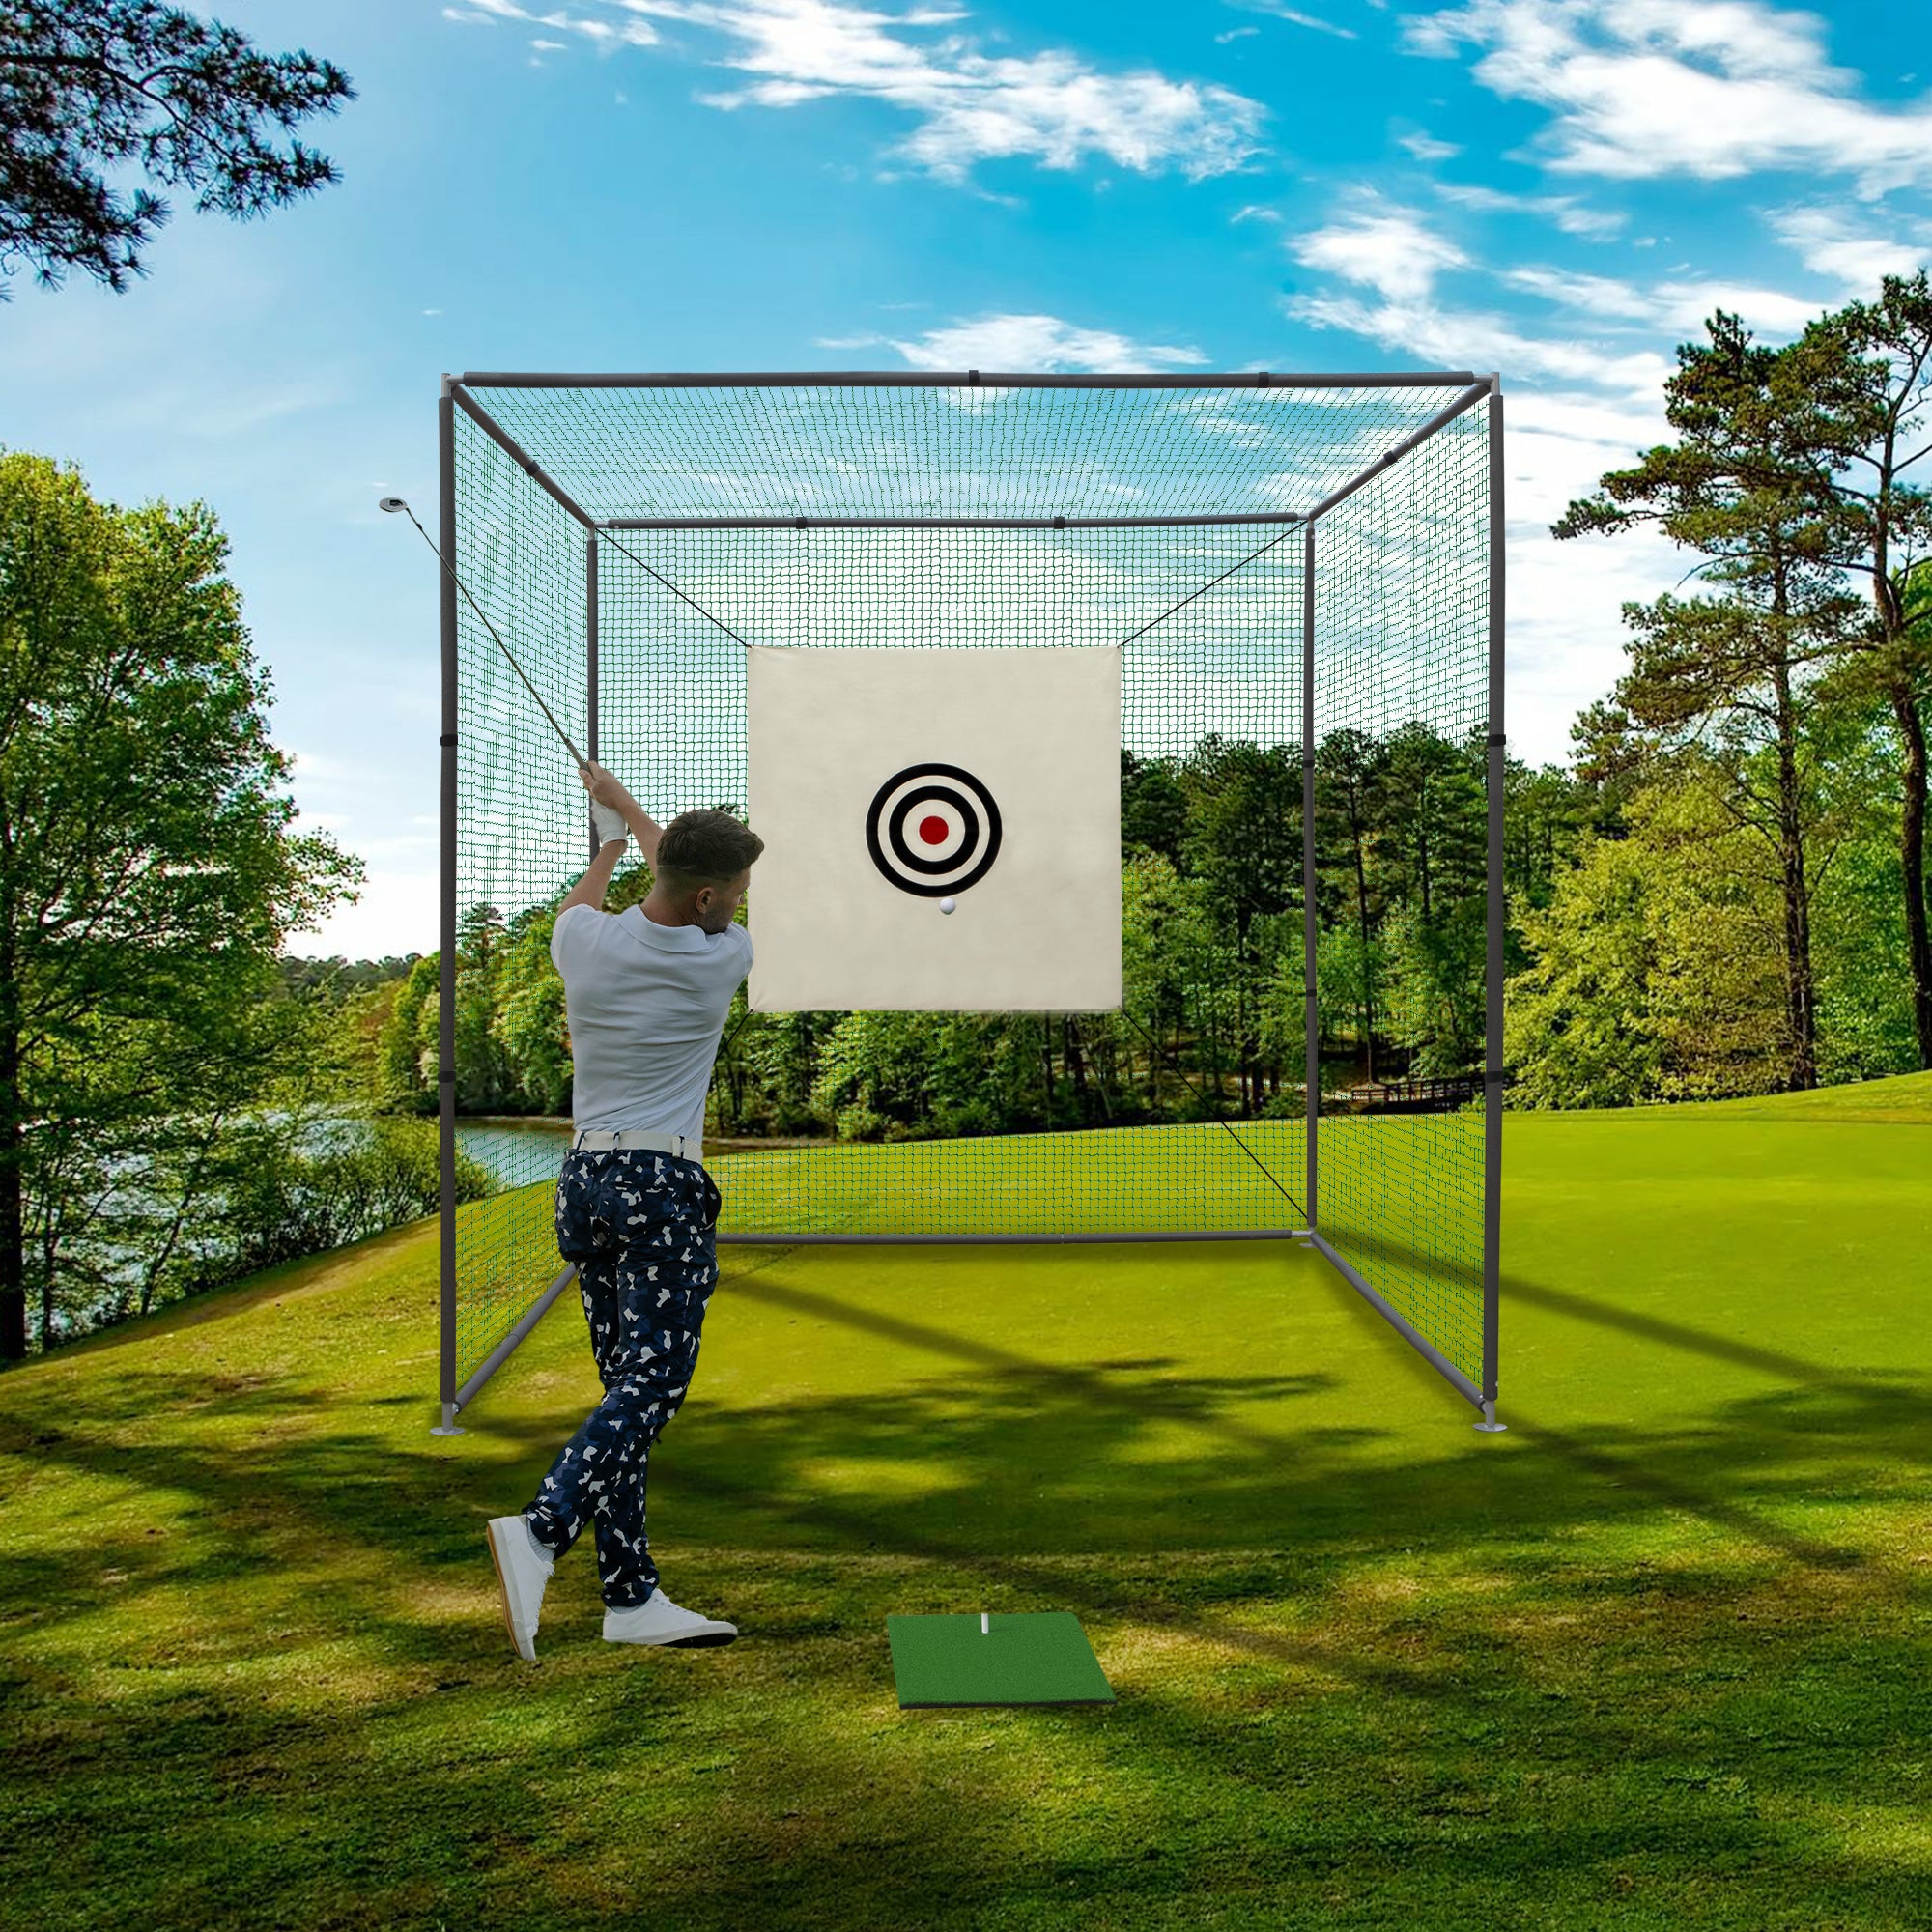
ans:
(452, 1429)
(1487, 1427)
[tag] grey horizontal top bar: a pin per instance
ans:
(966, 379)
(936, 523)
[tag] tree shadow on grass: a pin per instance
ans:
(1046, 1487)
(1415, 1703)
(1866, 1421)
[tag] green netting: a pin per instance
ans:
(522, 833)
(1185, 1112)
(753, 451)
(1402, 658)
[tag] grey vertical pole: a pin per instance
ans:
(1311, 1006)
(590, 656)
(445, 1056)
(1492, 1055)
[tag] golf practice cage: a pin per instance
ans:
(1279, 559)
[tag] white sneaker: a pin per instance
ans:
(523, 1569)
(658, 1620)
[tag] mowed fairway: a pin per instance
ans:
(1659, 1656)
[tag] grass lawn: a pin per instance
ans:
(1656, 1658)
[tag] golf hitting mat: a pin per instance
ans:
(1040, 1658)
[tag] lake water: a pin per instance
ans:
(516, 1152)
(520, 1152)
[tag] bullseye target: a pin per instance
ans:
(933, 829)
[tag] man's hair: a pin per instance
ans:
(704, 848)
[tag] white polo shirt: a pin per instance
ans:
(646, 1004)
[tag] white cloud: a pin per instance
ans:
(1426, 147)
(1026, 343)
(1234, 34)
(1567, 637)
(1674, 306)
(606, 34)
(1649, 88)
(1564, 210)
(391, 916)
(1831, 243)
(1255, 212)
(1297, 19)
(1395, 253)
(1430, 337)
(1583, 396)
(1052, 107)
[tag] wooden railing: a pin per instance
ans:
(1413, 1096)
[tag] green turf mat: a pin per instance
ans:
(1039, 1658)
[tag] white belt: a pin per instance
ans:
(687, 1147)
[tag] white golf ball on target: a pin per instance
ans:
(949, 905)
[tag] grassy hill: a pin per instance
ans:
(1655, 1659)
(1906, 1098)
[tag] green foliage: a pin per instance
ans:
(338, 980)
(149, 872)
(91, 88)
(1577, 1023)
(530, 1026)
(1659, 969)
(1434, 977)
(1715, 998)
(1790, 477)
(406, 1073)
(280, 1201)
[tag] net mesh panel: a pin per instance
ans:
(1201, 658)
(955, 452)
(521, 838)
(1402, 628)
(672, 711)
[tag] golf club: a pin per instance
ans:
(393, 503)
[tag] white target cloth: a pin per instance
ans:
(885, 780)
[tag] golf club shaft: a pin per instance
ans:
(501, 645)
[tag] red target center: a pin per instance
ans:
(932, 831)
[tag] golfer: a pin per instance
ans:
(646, 992)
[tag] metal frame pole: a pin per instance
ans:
(590, 659)
(445, 1069)
(1493, 1057)
(1310, 925)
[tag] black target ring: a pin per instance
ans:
(917, 800)
(892, 852)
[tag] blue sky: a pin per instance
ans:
(1560, 189)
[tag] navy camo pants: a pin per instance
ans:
(640, 1226)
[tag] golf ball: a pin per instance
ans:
(948, 906)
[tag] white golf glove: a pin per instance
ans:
(608, 822)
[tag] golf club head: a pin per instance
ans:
(393, 503)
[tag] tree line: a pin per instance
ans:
(1211, 950)
(1640, 958)
(160, 1085)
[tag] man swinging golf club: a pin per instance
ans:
(646, 992)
